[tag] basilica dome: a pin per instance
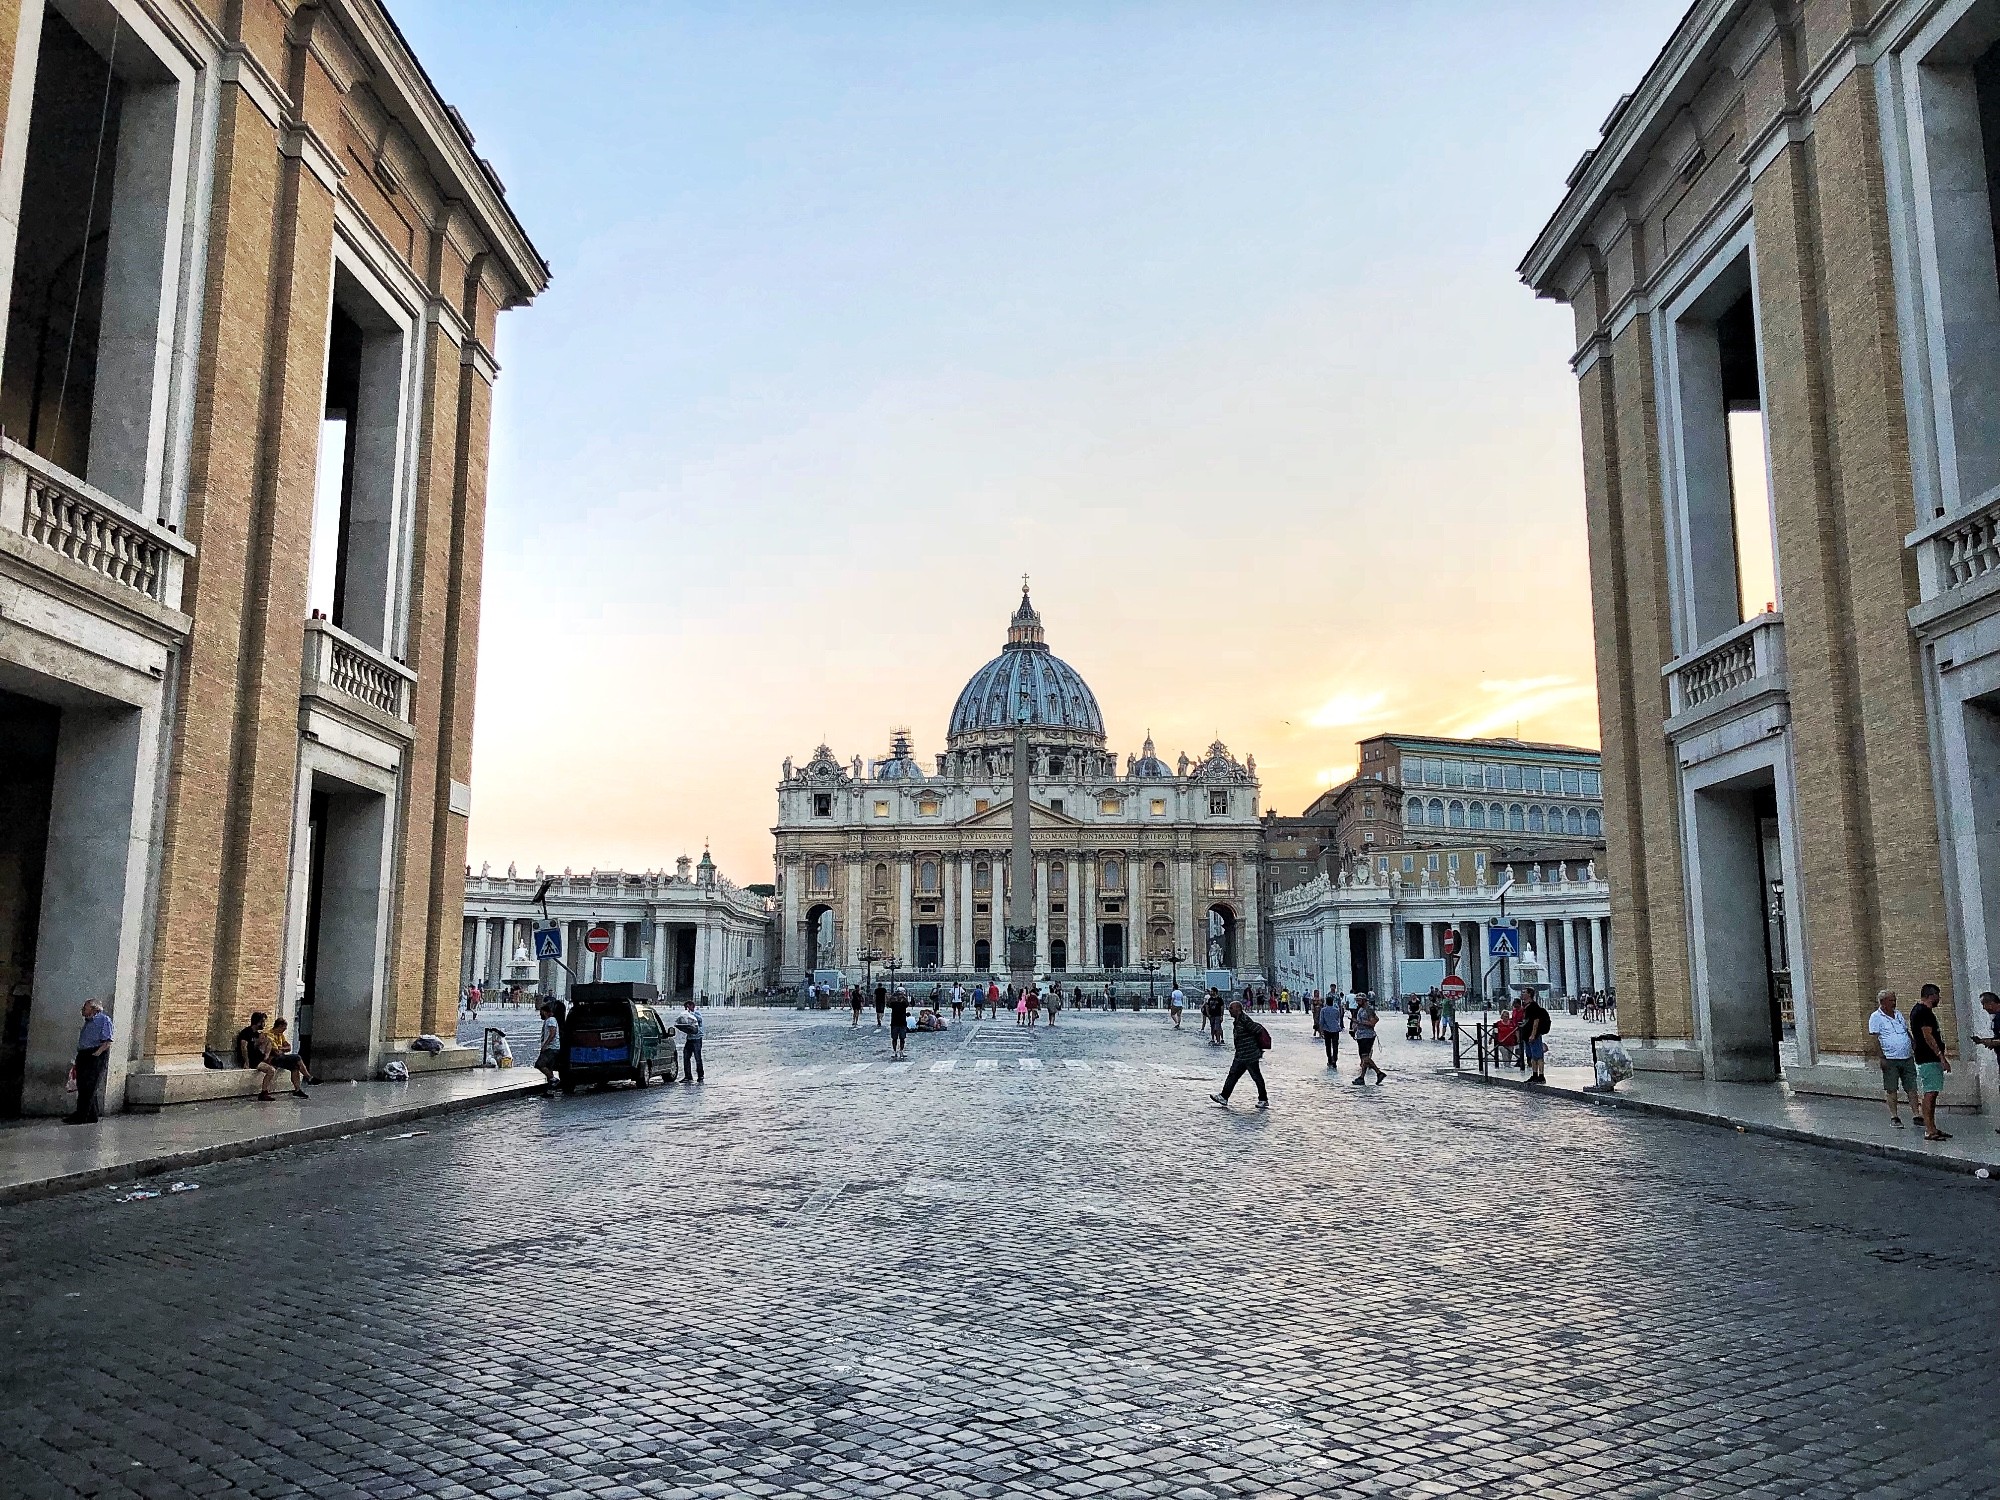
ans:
(1056, 696)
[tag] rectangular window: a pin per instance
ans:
(1451, 862)
(1514, 778)
(1218, 804)
(1454, 774)
(1593, 784)
(1431, 863)
(980, 804)
(1055, 804)
(1572, 783)
(354, 536)
(1494, 782)
(1110, 807)
(1409, 864)
(1478, 861)
(1382, 865)
(881, 809)
(1159, 806)
(95, 288)
(927, 807)
(822, 804)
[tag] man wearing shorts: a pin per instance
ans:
(1176, 1003)
(1899, 1067)
(1933, 1062)
(548, 1061)
(1535, 1025)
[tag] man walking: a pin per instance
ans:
(1328, 1023)
(1211, 1009)
(1899, 1068)
(93, 1058)
(881, 1003)
(854, 1001)
(1535, 1024)
(1176, 1005)
(548, 1060)
(899, 1024)
(688, 1024)
(1933, 1062)
(1251, 1040)
(1365, 1017)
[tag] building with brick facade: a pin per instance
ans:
(256, 266)
(1131, 866)
(1780, 260)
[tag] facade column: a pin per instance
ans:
(965, 863)
(854, 925)
(1385, 960)
(906, 934)
(480, 940)
(1570, 986)
(1072, 895)
(1342, 967)
(947, 894)
(1598, 980)
(1041, 913)
(1249, 937)
(702, 989)
(792, 948)
(661, 937)
(1184, 933)
(1087, 883)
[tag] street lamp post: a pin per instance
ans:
(1175, 958)
(869, 958)
(1152, 967)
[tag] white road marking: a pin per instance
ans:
(1027, 1064)
(944, 1067)
(852, 1068)
(1077, 1063)
(985, 1065)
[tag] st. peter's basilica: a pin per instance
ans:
(1154, 863)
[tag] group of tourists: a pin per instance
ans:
(1915, 1058)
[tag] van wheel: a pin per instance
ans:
(643, 1076)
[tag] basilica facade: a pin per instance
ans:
(892, 863)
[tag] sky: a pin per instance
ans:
(1202, 316)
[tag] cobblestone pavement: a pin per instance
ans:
(1020, 1265)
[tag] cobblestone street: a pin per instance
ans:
(1021, 1264)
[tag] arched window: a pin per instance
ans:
(1159, 874)
(1455, 814)
(1573, 821)
(1058, 876)
(881, 880)
(1112, 874)
(1413, 813)
(982, 876)
(1477, 817)
(1593, 824)
(927, 875)
(1517, 820)
(1534, 820)
(1218, 875)
(822, 878)
(1434, 813)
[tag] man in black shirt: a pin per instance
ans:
(1535, 1025)
(1927, 1048)
(881, 1003)
(1251, 1040)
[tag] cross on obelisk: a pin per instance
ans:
(1021, 863)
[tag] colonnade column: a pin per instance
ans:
(1342, 966)
(479, 941)
(1598, 978)
(1570, 986)
(1385, 960)
(1041, 915)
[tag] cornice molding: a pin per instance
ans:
(240, 66)
(301, 143)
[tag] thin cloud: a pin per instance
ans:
(1519, 702)
(1349, 711)
(1334, 775)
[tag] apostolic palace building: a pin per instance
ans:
(1144, 863)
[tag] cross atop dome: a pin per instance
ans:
(1025, 629)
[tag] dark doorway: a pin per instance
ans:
(28, 732)
(681, 974)
(819, 938)
(930, 945)
(1111, 943)
(982, 955)
(1058, 955)
(1361, 957)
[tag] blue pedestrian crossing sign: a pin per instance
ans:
(548, 943)
(1503, 942)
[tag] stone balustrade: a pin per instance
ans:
(338, 664)
(60, 516)
(1968, 545)
(1754, 651)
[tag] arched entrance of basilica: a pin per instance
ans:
(1221, 937)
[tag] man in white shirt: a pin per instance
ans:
(1176, 1004)
(1899, 1066)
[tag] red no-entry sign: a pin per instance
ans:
(598, 940)
(1453, 985)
